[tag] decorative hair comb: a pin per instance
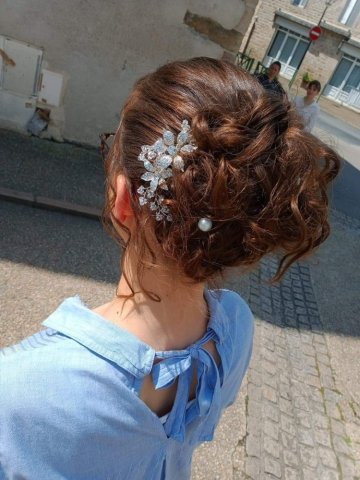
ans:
(159, 160)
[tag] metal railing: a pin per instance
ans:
(247, 63)
(244, 61)
(260, 68)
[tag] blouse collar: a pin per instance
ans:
(75, 320)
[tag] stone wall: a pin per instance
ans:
(324, 54)
(322, 57)
(101, 48)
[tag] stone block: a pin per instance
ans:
(272, 447)
(308, 456)
(328, 457)
(252, 468)
(272, 466)
(271, 429)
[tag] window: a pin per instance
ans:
(289, 48)
(350, 12)
(344, 85)
(347, 74)
(299, 3)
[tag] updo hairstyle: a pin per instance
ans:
(256, 174)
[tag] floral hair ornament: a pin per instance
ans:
(159, 161)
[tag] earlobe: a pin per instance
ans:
(122, 210)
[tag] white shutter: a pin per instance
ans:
(23, 77)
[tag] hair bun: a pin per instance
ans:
(217, 131)
(270, 112)
(233, 128)
(259, 178)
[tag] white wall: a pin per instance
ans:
(102, 46)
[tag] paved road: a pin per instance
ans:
(338, 128)
(346, 139)
(298, 416)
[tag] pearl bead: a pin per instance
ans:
(205, 224)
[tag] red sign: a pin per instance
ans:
(315, 33)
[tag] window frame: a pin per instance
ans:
(349, 97)
(355, 63)
(350, 13)
(289, 33)
(301, 4)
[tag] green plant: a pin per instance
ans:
(307, 77)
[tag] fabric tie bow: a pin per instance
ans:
(179, 365)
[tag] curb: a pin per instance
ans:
(38, 201)
(46, 203)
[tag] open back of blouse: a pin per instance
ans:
(71, 401)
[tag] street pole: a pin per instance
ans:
(327, 5)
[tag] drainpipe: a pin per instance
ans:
(250, 35)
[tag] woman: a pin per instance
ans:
(307, 107)
(206, 172)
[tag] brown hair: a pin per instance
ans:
(316, 84)
(259, 177)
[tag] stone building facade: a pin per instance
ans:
(76, 60)
(280, 31)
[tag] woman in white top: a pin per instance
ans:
(307, 107)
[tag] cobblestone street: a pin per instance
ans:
(298, 413)
(297, 419)
(300, 424)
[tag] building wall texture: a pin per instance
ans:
(101, 47)
(324, 54)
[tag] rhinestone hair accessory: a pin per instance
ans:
(159, 161)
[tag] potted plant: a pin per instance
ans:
(306, 79)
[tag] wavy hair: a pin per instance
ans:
(259, 177)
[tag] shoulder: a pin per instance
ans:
(47, 365)
(52, 387)
(235, 345)
(278, 86)
(239, 316)
(38, 360)
(237, 321)
(35, 350)
(53, 383)
(234, 304)
(261, 77)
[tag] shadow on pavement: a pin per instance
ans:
(78, 246)
(346, 191)
(60, 171)
(57, 242)
(313, 295)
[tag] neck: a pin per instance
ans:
(177, 321)
(308, 100)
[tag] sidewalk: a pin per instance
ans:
(53, 175)
(298, 414)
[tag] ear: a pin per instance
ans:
(122, 210)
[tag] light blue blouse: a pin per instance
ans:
(69, 396)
